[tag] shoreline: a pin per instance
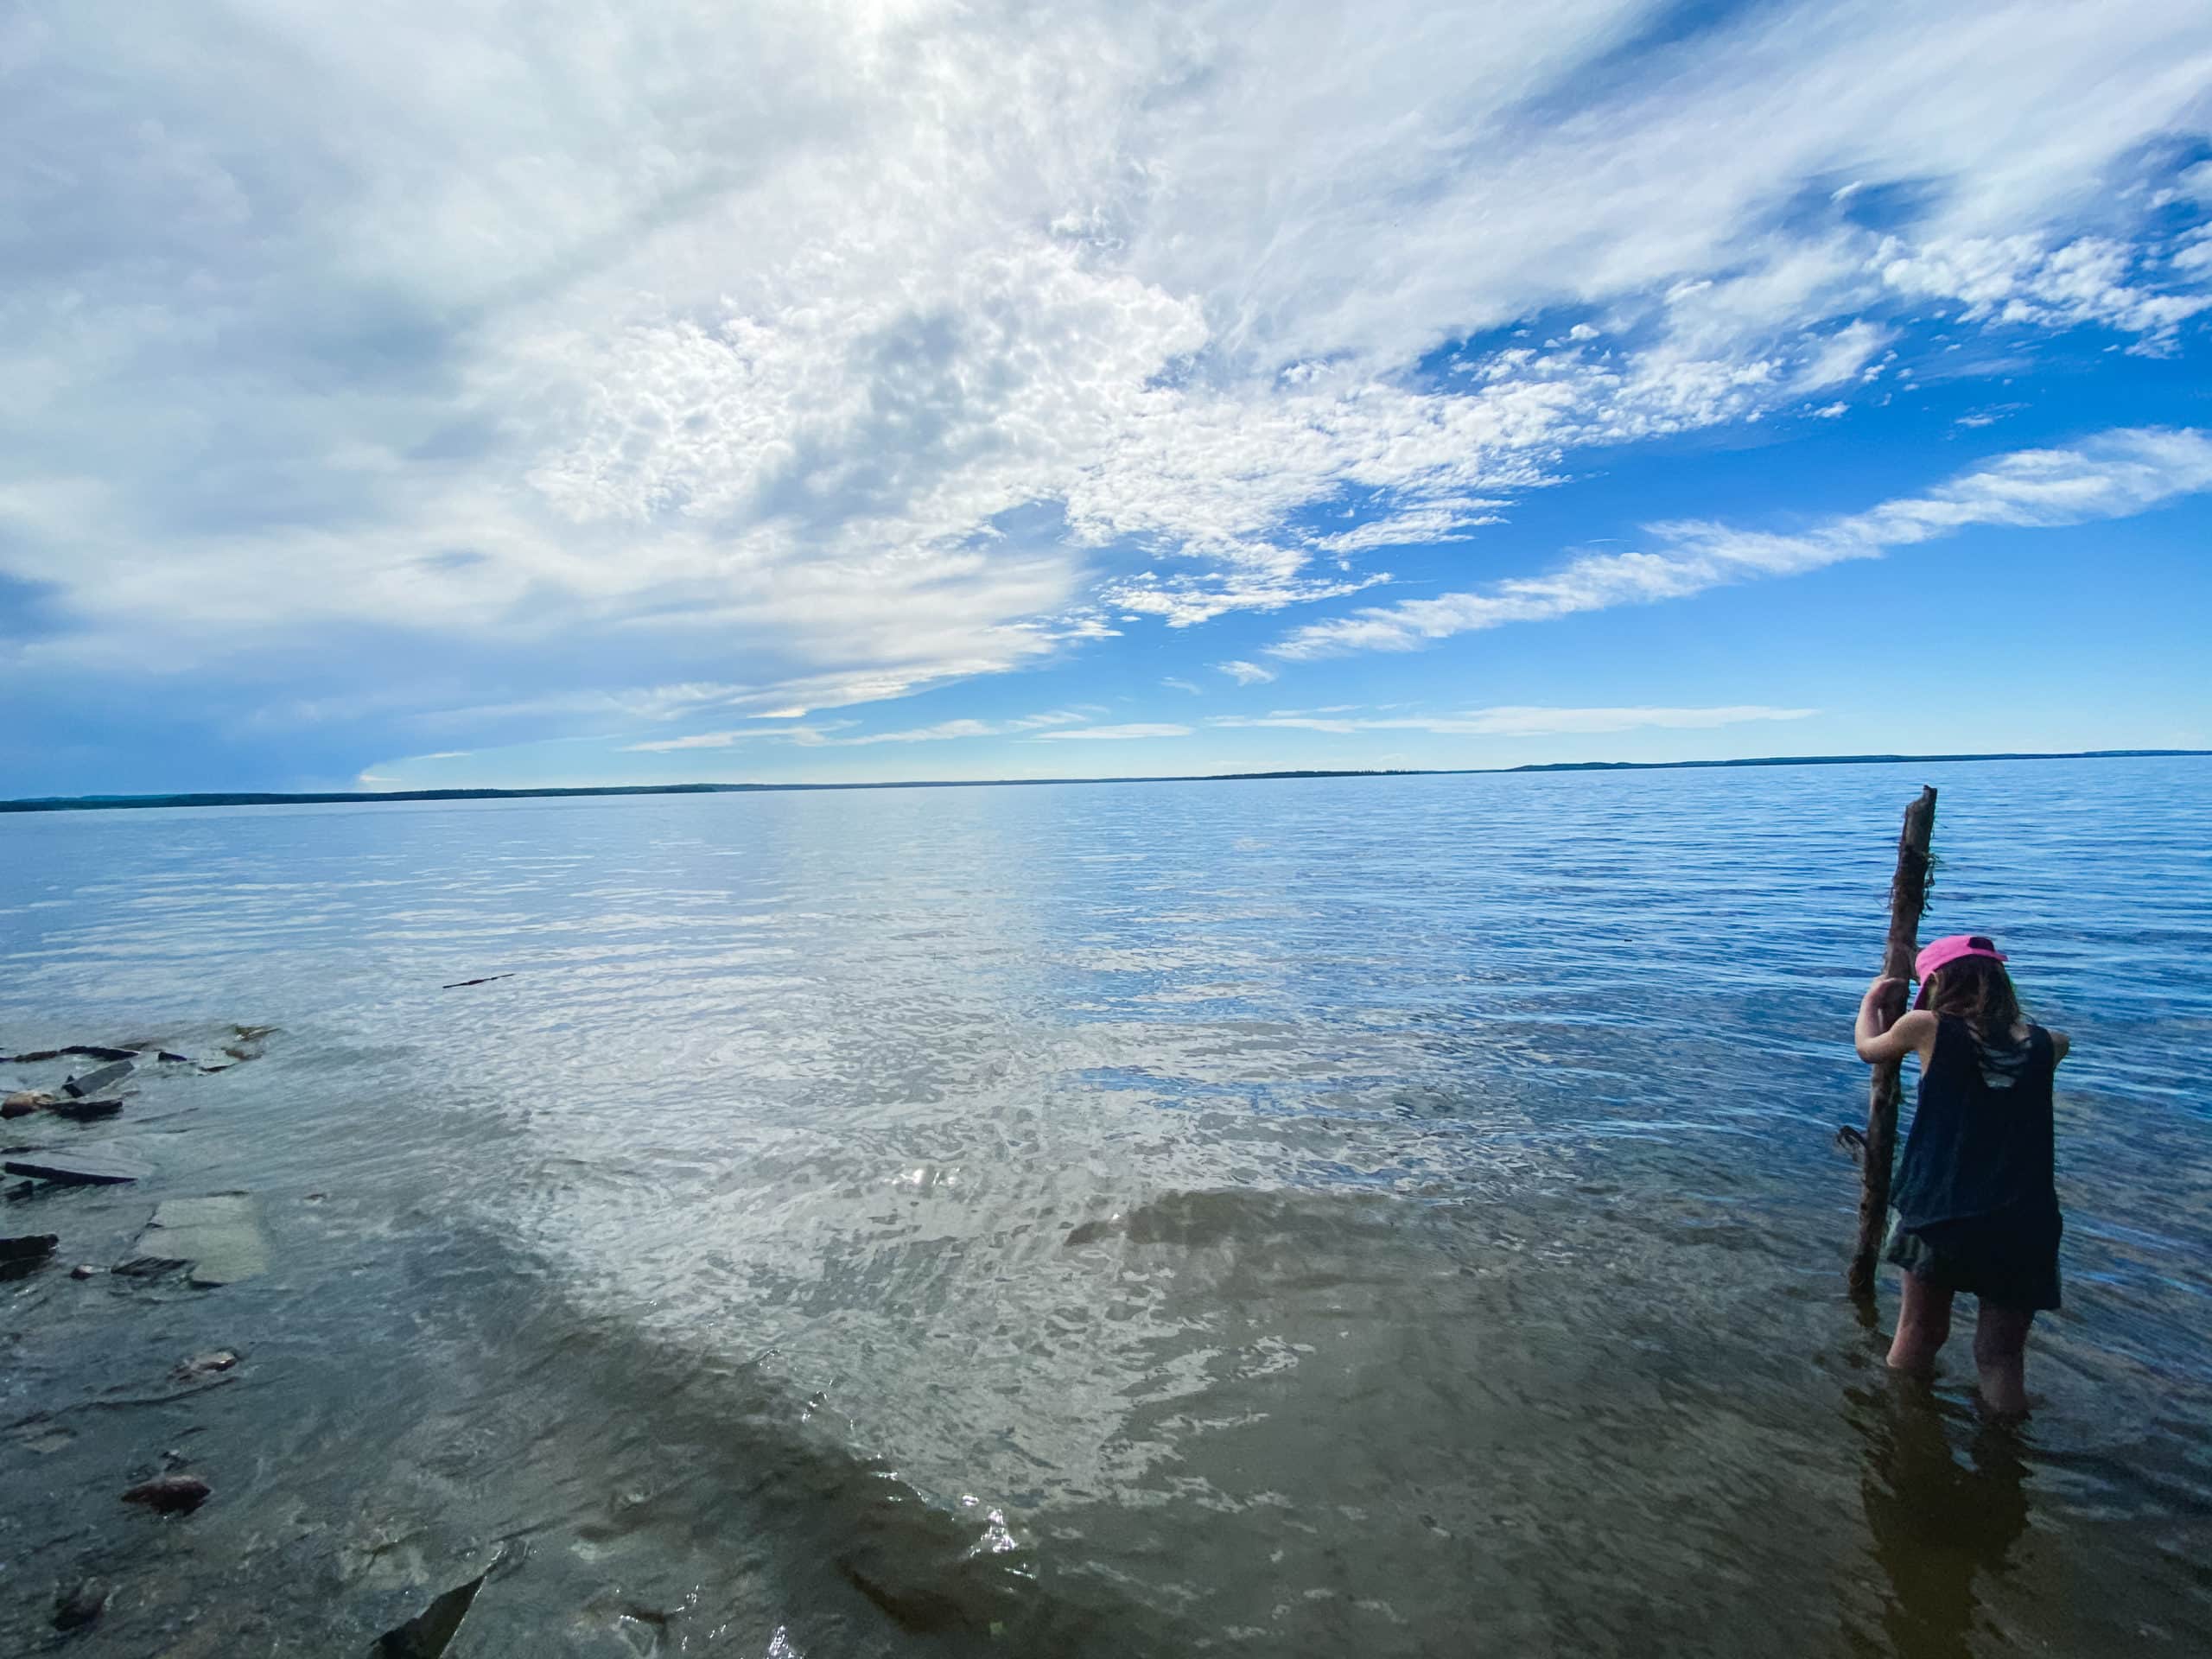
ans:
(340, 798)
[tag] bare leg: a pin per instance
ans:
(2001, 1354)
(1924, 1323)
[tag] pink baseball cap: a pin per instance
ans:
(1951, 948)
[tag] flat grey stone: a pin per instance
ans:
(220, 1238)
(105, 1077)
(85, 1166)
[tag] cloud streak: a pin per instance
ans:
(1512, 721)
(1116, 734)
(1246, 673)
(821, 736)
(2113, 475)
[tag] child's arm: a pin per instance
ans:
(2060, 1042)
(1886, 1033)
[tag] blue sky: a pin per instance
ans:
(456, 395)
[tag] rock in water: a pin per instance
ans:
(84, 1111)
(89, 1166)
(93, 1082)
(220, 1238)
(170, 1493)
(74, 1609)
(207, 1364)
(428, 1634)
(21, 1256)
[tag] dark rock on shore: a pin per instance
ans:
(22, 1256)
(90, 1168)
(95, 1051)
(86, 1111)
(24, 1101)
(430, 1631)
(170, 1493)
(75, 1608)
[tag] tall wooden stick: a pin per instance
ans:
(1907, 895)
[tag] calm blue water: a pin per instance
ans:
(1386, 1216)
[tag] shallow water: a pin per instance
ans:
(1385, 1216)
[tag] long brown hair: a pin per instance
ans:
(1979, 991)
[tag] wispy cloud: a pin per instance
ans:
(724, 740)
(1246, 673)
(1116, 734)
(2111, 476)
(824, 734)
(1509, 721)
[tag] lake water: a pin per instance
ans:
(1378, 1216)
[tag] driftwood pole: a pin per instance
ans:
(1907, 895)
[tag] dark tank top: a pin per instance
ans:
(1981, 1134)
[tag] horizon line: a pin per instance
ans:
(338, 797)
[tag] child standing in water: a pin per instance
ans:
(1975, 1208)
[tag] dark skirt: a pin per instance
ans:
(2009, 1257)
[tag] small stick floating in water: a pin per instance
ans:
(486, 980)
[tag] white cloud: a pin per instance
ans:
(959, 331)
(1443, 521)
(1841, 356)
(2112, 475)
(824, 736)
(722, 739)
(1246, 673)
(1183, 601)
(2028, 279)
(1116, 734)
(1175, 684)
(1512, 721)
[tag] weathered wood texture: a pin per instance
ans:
(1908, 896)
